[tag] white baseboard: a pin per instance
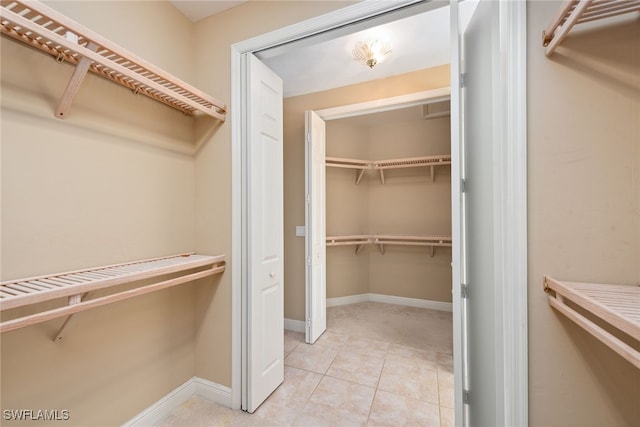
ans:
(390, 299)
(163, 407)
(351, 299)
(294, 325)
(213, 391)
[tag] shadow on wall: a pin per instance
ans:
(603, 54)
(607, 369)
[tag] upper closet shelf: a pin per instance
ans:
(382, 165)
(575, 12)
(359, 240)
(617, 305)
(39, 26)
(76, 286)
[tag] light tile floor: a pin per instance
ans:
(376, 365)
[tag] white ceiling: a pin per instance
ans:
(417, 42)
(196, 10)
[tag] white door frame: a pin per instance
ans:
(512, 284)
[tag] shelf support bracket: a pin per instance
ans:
(359, 248)
(74, 82)
(381, 176)
(433, 173)
(381, 248)
(433, 251)
(73, 299)
(360, 173)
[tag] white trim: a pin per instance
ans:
(294, 325)
(512, 241)
(172, 400)
(390, 299)
(212, 391)
(351, 299)
(411, 302)
(386, 104)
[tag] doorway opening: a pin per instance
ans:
(511, 54)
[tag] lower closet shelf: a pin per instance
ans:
(76, 285)
(359, 240)
(617, 305)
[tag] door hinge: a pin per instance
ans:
(462, 79)
(308, 198)
(308, 138)
(464, 293)
(308, 260)
(308, 323)
(463, 185)
(465, 397)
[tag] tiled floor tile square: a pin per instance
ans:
(295, 389)
(426, 357)
(409, 378)
(291, 341)
(391, 410)
(341, 402)
(367, 346)
(447, 417)
(357, 367)
(314, 358)
(332, 339)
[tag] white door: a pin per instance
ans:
(265, 305)
(476, 306)
(316, 286)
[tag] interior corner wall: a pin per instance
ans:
(112, 182)
(408, 203)
(583, 211)
(294, 170)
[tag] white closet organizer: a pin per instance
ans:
(617, 305)
(575, 12)
(76, 286)
(39, 26)
(381, 165)
(359, 240)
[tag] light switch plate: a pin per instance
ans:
(300, 230)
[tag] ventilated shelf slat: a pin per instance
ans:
(381, 165)
(359, 240)
(42, 27)
(617, 305)
(76, 284)
(575, 12)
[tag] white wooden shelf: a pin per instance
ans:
(76, 286)
(617, 305)
(381, 165)
(37, 25)
(575, 12)
(359, 240)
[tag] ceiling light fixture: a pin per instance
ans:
(371, 52)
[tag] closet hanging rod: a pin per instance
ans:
(42, 27)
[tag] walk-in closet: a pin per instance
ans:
(388, 207)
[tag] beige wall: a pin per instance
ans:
(407, 203)
(294, 109)
(584, 212)
(110, 183)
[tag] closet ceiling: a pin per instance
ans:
(418, 42)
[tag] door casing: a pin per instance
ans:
(512, 207)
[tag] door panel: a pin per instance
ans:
(316, 227)
(265, 305)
